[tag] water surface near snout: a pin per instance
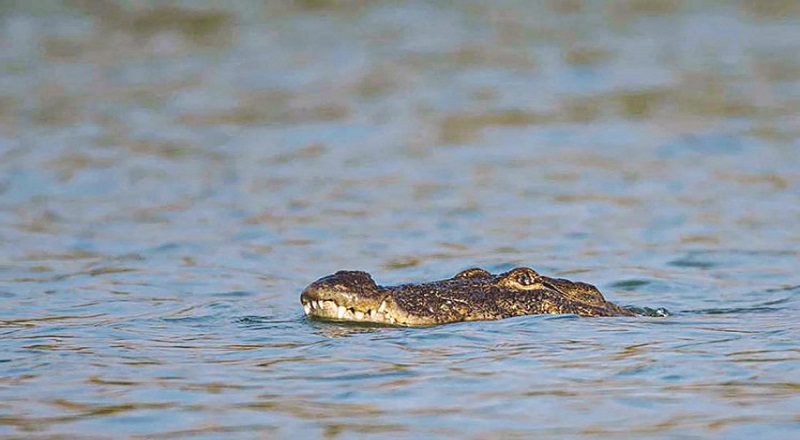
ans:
(171, 177)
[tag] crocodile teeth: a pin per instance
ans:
(330, 309)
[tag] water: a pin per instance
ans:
(171, 178)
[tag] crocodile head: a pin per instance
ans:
(474, 294)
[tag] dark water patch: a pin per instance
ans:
(269, 322)
(717, 144)
(50, 318)
(694, 261)
(458, 129)
(233, 294)
(715, 259)
(175, 247)
(733, 310)
(253, 320)
(207, 27)
(365, 373)
(783, 289)
(760, 300)
(56, 256)
(771, 10)
(630, 285)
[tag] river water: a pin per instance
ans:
(172, 174)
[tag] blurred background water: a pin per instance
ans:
(173, 173)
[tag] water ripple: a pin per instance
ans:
(173, 175)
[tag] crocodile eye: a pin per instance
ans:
(525, 279)
(521, 278)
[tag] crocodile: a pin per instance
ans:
(471, 295)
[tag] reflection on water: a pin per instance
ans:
(172, 175)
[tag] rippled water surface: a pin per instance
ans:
(172, 174)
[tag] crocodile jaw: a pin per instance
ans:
(385, 312)
(331, 309)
